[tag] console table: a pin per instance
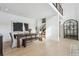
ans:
(19, 36)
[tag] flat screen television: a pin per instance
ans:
(26, 26)
(17, 26)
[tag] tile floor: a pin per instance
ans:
(64, 47)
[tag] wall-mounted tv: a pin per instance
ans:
(17, 26)
(26, 26)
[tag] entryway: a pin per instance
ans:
(70, 28)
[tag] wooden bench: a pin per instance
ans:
(24, 41)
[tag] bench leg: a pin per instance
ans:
(24, 43)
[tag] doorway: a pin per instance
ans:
(70, 28)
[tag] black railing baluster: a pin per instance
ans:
(58, 7)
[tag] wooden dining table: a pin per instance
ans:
(18, 36)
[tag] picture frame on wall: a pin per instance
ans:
(44, 20)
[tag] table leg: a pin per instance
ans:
(18, 42)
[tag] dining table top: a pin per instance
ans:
(24, 34)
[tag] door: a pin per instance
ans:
(71, 29)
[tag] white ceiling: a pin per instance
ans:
(32, 10)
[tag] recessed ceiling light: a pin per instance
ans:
(6, 9)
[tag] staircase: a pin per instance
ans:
(43, 30)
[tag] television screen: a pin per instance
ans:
(26, 26)
(18, 26)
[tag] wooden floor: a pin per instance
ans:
(44, 48)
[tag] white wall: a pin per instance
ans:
(38, 24)
(60, 28)
(5, 23)
(77, 16)
(68, 11)
(52, 28)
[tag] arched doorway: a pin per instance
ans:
(70, 28)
